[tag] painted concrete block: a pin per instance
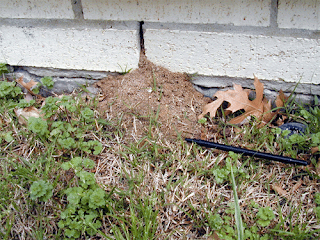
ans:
(36, 9)
(235, 55)
(304, 14)
(236, 12)
(67, 48)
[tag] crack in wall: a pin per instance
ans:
(77, 9)
(274, 14)
(141, 38)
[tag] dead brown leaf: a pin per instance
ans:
(281, 99)
(29, 85)
(279, 190)
(296, 186)
(24, 114)
(28, 97)
(268, 114)
(238, 99)
(281, 120)
(253, 108)
(314, 150)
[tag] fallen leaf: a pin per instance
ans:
(314, 150)
(296, 186)
(281, 99)
(268, 114)
(29, 85)
(281, 120)
(238, 99)
(28, 97)
(279, 190)
(24, 114)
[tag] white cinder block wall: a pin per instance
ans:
(54, 34)
(223, 41)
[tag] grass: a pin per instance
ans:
(154, 188)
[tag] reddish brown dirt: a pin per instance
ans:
(152, 91)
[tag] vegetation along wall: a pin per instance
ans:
(222, 41)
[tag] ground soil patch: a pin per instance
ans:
(153, 91)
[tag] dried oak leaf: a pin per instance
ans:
(268, 114)
(29, 85)
(256, 107)
(238, 99)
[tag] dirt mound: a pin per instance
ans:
(153, 92)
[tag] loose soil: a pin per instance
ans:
(152, 91)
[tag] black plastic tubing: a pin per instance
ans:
(247, 152)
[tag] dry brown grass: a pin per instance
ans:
(145, 157)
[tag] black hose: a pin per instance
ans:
(247, 152)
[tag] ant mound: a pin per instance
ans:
(151, 99)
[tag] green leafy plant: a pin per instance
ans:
(84, 202)
(9, 90)
(87, 113)
(68, 135)
(215, 221)
(253, 234)
(38, 126)
(3, 68)
(44, 82)
(202, 120)
(7, 136)
(42, 190)
(47, 81)
(221, 174)
(265, 216)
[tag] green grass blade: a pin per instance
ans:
(238, 218)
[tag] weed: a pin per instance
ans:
(44, 82)
(265, 216)
(81, 215)
(8, 90)
(41, 190)
(3, 68)
(47, 82)
(221, 174)
(125, 70)
(140, 224)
